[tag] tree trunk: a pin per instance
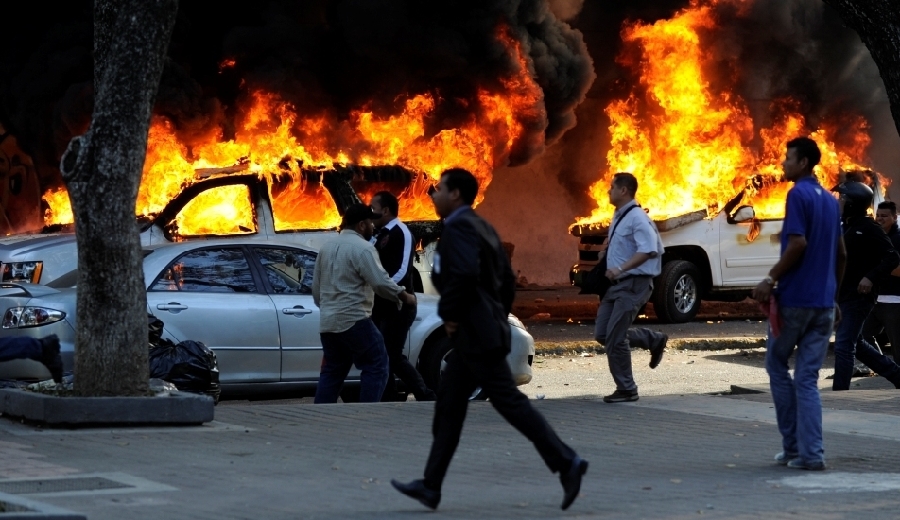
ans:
(878, 24)
(102, 171)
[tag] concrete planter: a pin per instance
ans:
(175, 408)
(13, 507)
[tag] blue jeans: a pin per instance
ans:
(20, 347)
(849, 343)
(797, 404)
(360, 345)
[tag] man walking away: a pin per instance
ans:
(886, 314)
(396, 248)
(633, 257)
(808, 275)
(870, 259)
(477, 286)
(346, 276)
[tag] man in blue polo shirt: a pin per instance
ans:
(808, 275)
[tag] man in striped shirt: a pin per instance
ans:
(348, 273)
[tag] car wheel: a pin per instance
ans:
(418, 286)
(677, 298)
(433, 359)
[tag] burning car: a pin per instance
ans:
(247, 299)
(228, 203)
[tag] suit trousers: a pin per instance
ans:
(884, 317)
(394, 327)
(618, 309)
(465, 372)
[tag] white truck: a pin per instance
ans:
(717, 257)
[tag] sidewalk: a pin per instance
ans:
(676, 456)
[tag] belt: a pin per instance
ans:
(630, 276)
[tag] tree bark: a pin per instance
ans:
(102, 171)
(878, 24)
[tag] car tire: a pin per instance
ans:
(677, 298)
(436, 349)
(418, 286)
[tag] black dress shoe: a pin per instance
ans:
(571, 481)
(416, 489)
(656, 353)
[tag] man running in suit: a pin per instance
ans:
(477, 286)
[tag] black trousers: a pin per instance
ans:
(884, 317)
(491, 372)
(394, 327)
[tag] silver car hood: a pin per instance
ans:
(16, 245)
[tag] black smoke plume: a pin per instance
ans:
(331, 56)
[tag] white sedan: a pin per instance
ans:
(248, 300)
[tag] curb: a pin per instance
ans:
(558, 348)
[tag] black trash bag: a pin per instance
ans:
(190, 365)
(155, 326)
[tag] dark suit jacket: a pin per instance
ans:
(476, 283)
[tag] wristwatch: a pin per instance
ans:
(769, 280)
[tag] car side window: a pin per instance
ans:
(289, 271)
(223, 270)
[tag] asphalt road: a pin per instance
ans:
(576, 330)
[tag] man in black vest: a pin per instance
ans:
(396, 248)
(477, 286)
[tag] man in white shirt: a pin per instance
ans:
(633, 257)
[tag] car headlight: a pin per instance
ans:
(22, 272)
(21, 317)
(516, 322)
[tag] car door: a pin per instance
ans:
(288, 274)
(746, 259)
(210, 294)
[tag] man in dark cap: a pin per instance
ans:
(886, 314)
(477, 287)
(346, 277)
(870, 259)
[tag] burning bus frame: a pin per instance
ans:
(44, 257)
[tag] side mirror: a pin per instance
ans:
(744, 214)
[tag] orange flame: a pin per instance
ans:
(274, 142)
(59, 207)
(225, 210)
(688, 145)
